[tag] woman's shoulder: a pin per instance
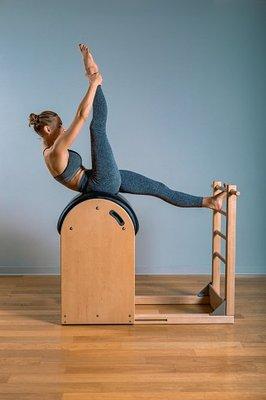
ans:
(52, 151)
(47, 149)
(54, 161)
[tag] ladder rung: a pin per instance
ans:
(220, 234)
(216, 254)
(221, 212)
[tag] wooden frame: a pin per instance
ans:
(222, 307)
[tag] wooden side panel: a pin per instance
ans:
(97, 260)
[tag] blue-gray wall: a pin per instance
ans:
(185, 85)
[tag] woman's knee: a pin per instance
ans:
(97, 127)
(110, 185)
(116, 183)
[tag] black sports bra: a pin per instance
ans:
(73, 164)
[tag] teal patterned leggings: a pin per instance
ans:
(104, 176)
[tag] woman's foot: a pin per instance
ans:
(90, 65)
(215, 202)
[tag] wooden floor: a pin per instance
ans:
(41, 359)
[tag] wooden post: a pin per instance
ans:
(230, 250)
(216, 243)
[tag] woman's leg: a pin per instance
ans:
(132, 182)
(104, 175)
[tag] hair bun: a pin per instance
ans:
(33, 119)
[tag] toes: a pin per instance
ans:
(83, 47)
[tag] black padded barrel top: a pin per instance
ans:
(116, 198)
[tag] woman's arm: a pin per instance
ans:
(85, 105)
(64, 141)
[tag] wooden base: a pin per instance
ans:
(208, 296)
(183, 319)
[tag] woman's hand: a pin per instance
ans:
(95, 78)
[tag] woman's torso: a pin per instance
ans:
(58, 165)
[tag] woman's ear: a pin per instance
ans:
(46, 129)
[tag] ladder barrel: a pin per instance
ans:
(97, 264)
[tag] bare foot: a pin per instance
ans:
(90, 65)
(214, 202)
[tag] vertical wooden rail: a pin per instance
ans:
(216, 243)
(230, 249)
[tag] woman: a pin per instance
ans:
(65, 165)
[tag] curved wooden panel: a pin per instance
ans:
(97, 262)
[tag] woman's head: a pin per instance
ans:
(46, 123)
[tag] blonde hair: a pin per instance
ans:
(47, 117)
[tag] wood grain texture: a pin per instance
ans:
(97, 264)
(42, 359)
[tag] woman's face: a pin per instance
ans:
(61, 129)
